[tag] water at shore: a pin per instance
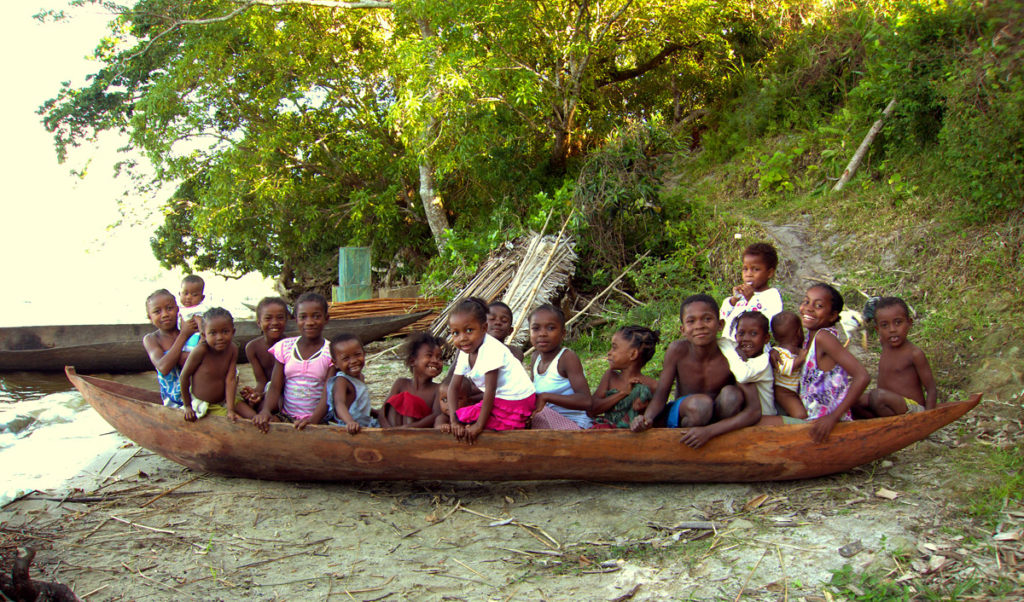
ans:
(48, 432)
(64, 263)
(46, 440)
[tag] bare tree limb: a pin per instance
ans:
(604, 31)
(231, 15)
(863, 148)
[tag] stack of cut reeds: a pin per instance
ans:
(529, 271)
(391, 306)
(488, 283)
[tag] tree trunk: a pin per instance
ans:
(432, 205)
(563, 123)
(560, 152)
(285, 282)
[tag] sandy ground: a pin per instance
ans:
(136, 526)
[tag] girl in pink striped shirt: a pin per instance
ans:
(302, 367)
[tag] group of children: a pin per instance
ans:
(723, 374)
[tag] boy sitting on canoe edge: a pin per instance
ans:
(905, 380)
(708, 400)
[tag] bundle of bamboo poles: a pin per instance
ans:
(488, 283)
(547, 265)
(390, 306)
(524, 274)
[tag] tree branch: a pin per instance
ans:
(241, 9)
(579, 69)
(615, 76)
(611, 21)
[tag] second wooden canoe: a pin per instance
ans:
(115, 348)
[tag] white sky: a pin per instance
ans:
(60, 263)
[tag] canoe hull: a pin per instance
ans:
(323, 453)
(114, 348)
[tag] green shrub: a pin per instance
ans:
(617, 199)
(982, 137)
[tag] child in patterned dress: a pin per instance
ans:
(625, 391)
(831, 380)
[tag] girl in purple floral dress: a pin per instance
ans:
(831, 380)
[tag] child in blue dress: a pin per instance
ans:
(348, 398)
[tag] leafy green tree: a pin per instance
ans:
(291, 127)
(274, 120)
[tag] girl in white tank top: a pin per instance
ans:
(557, 374)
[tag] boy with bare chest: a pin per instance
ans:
(708, 400)
(165, 346)
(905, 381)
(209, 379)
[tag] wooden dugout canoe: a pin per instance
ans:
(114, 348)
(326, 453)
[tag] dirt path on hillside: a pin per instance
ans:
(800, 262)
(135, 525)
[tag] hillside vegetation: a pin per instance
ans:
(934, 214)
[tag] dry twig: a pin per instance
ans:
(751, 574)
(175, 488)
(128, 522)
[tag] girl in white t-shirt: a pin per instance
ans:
(509, 397)
(754, 294)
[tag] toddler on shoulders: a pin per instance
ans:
(193, 306)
